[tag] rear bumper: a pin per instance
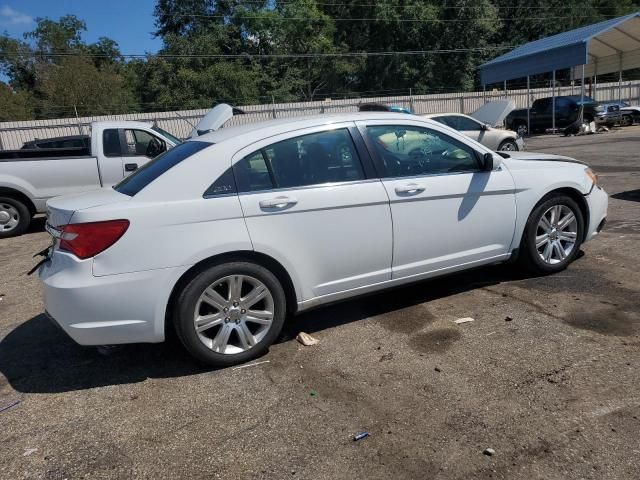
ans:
(598, 202)
(114, 309)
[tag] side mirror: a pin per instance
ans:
(484, 127)
(490, 162)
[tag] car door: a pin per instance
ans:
(446, 212)
(540, 115)
(311, 200)
(138, 147)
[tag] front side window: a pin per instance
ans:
(314, 159)
(141, 143)
(407, 151)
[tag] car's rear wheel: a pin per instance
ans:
(230, 313)
(15, 217)
(626, 121)
(553, 235)
(508, 146)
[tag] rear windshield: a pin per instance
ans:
(156, 167)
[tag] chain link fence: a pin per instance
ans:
(180, 123)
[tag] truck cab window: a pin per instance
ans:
(141, 143)
(111, 143)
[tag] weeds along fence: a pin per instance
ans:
(180, 123)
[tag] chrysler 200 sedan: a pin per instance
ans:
(225, 235)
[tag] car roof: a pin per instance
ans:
(256, 131)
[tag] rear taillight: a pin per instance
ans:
(86, 240)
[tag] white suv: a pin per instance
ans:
(225, 235)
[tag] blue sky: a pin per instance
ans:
(128, 22)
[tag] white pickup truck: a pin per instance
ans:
(32, 175)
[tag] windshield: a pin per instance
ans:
(167, 135)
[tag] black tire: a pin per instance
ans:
(13, 208)
(529, 256)
(521, 128)
(187, 300)
(513, 146)
(626, 121)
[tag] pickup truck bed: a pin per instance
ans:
(44, 153)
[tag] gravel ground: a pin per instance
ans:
(546, 376)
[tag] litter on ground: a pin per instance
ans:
(463, 320)
(306, 339)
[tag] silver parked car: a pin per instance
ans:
(495, 139)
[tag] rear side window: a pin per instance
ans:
(156, 167)
(111, 142)
(315, 159)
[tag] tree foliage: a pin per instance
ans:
(260, 35)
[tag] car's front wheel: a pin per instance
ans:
(508, 146)
(230, 313)
(552, 235)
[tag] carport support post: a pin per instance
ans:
(528, 106)
(620, 80)
(553, 102)
(582, 97)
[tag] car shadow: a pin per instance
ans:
(38, 357)
(629, 195)
(37, 225)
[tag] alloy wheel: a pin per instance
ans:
(556, 234)
(9, 217)
(508, 147)
(233, 314)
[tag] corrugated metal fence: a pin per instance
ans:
(180, 123)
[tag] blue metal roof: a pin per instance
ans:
(563, 50)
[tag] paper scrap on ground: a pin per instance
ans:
(306, 339)
(463, 320)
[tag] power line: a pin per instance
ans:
(365, 19)
(260, 55)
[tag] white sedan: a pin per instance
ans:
(224, 236)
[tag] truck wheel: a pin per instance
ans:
(552, 236)
(15, 217)
(230, 313)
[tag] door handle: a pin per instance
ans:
(130, 167)
(411, 189)
(278, 202)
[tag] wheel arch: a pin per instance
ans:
(258, 258)
(575, 195)
(18, 195)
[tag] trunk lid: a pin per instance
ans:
(61, 209)
(213, 120)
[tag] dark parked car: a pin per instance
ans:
(70, 141)
(381, 107)
(541, 113)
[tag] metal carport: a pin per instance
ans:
(605, 47)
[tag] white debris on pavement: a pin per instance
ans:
(306, 339)
(463, 320)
